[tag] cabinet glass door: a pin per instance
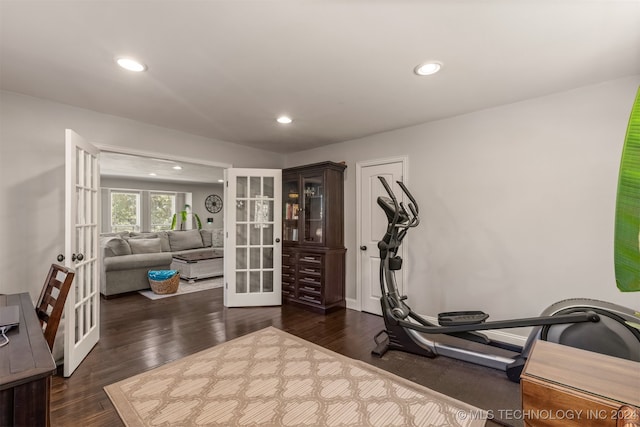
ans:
(291, 206)
(312, 205)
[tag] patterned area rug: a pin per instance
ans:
(187, 288)
(272, 378)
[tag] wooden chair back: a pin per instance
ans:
(50, 305)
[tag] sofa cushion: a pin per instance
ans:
(159, 261)
(217, 237)
(116, 245)
(181, 240)
(162, 235)
(164, 241)
(145, 246)
(206, 238)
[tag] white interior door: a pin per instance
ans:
(82, 308)
(373, 225)
(253, 230)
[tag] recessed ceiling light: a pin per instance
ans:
(427, 68)
(177, 167)
(131, 64)
(221, 180)
(284, 120)
(152, 174)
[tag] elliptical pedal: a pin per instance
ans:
(452, 318)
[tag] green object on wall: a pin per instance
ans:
(627, 231)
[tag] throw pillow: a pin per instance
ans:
(164, 241)
(145, 246)
(217, 237)
(118, 246)
(206, 238)
(181, 240)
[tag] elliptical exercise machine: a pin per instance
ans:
(588, 324)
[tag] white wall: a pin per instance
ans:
(32, 175)
(517, 202)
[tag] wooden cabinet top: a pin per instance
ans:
(27, 356)
(321, 165)
(609, 377)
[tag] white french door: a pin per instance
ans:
(253, 228)
(373, 225)
(82, 308)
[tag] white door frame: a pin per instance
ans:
(404, 248)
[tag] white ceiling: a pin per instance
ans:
(118, 165)
(226, 69)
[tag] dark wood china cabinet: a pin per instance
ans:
(313, 253)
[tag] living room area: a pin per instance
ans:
(158, 215)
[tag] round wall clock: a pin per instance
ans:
(213, 203)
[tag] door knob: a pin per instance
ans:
(363, 248)
(277, 240)
(78, 257)
(60, 257)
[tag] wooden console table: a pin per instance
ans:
(566, 386)
(26, 367)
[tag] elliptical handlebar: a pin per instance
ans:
(413, 203)
(410, 217)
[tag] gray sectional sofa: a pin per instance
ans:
(127, 257)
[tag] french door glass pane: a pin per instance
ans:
(267, 281)
(267, 258)
(254, 281)
(267, 234)
(241, 210)
(241, 282)
(241, 258)
(255, 187)
(241, 187)
(241, 234)
(254, 258)
(255, 235)
(268, 189)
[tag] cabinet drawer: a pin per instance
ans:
(316, 299)
(288, 278)
(310, 270)
(309, 286)
(310, 259)
(309, 280)
(288, 293)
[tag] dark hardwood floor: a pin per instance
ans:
(138, 334)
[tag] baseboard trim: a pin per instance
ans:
(352, 304)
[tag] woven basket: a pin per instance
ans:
(162, 287)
